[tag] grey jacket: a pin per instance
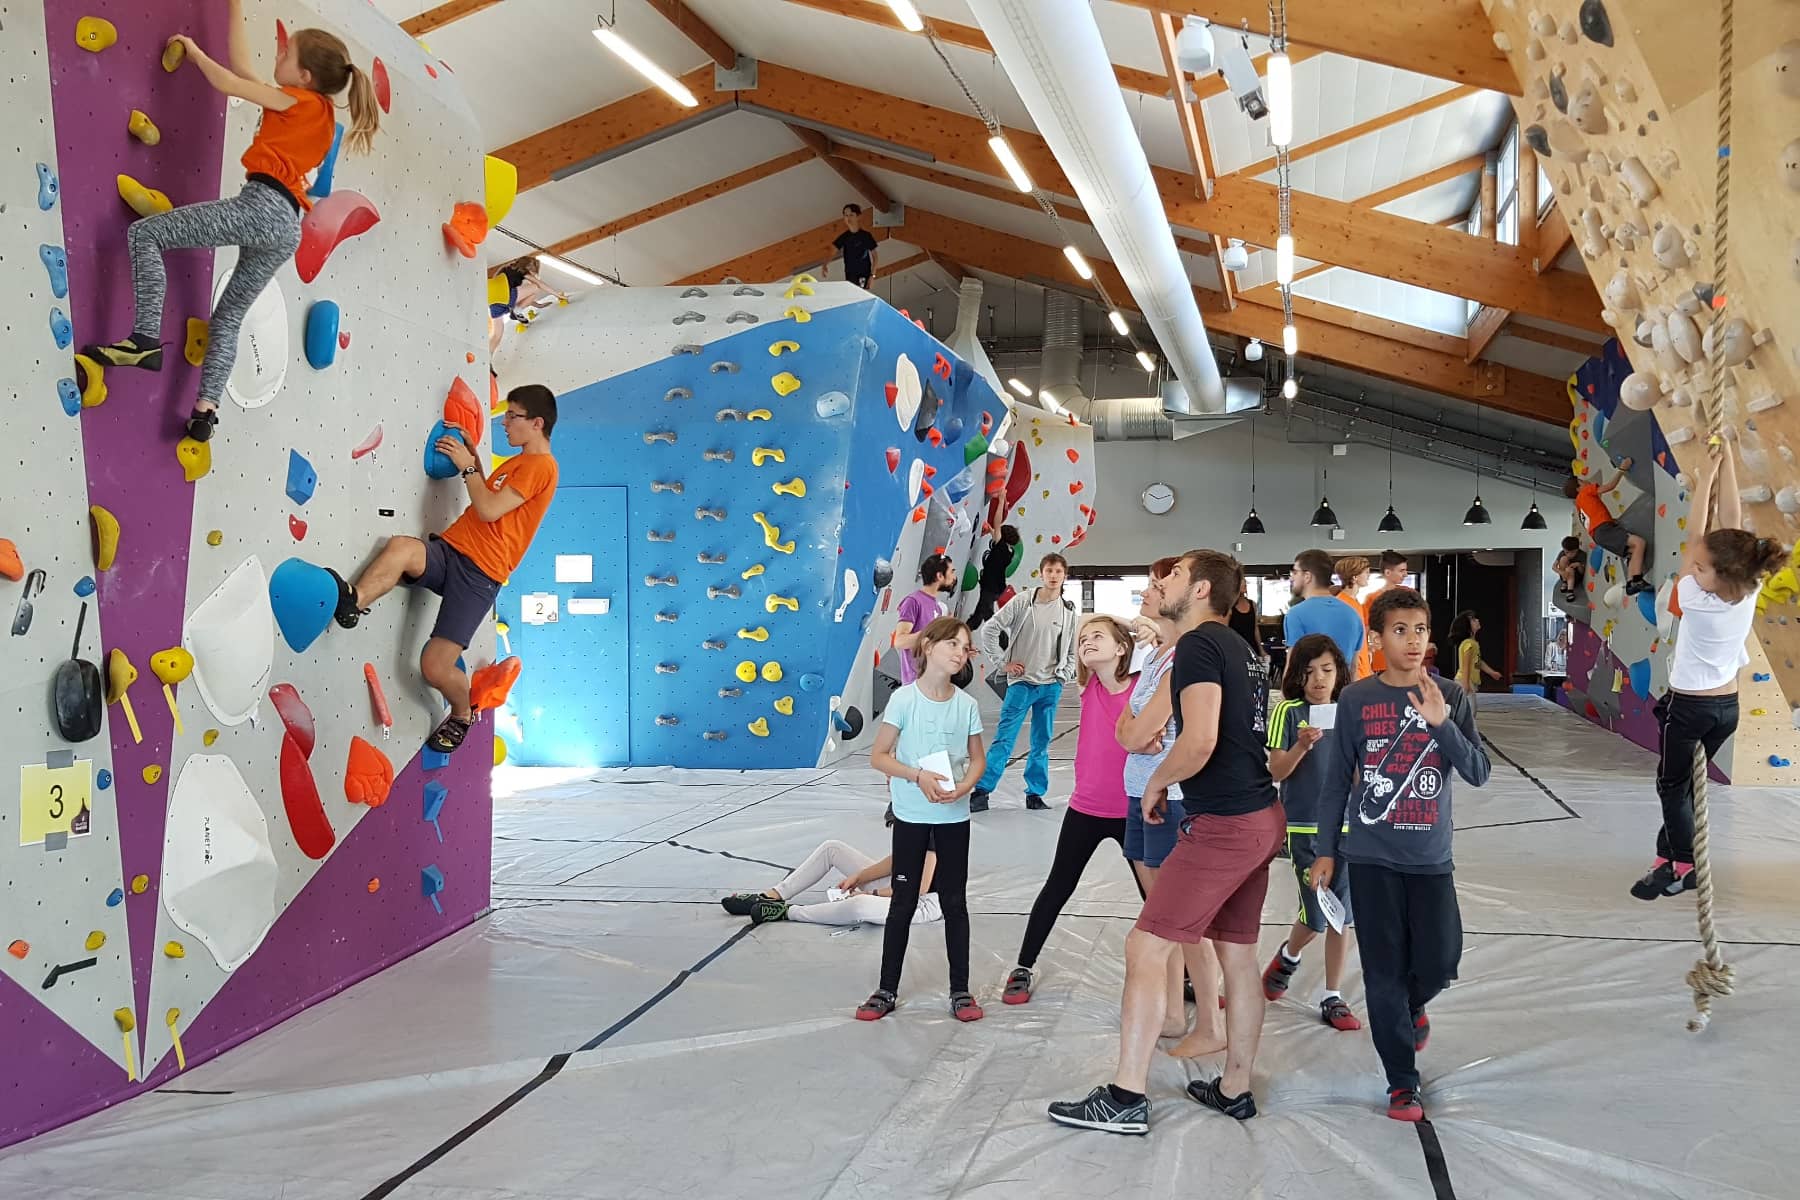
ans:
(1050, 663)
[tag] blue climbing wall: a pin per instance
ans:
(713, 363)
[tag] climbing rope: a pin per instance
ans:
(1711, 974)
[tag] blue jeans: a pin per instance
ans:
(1040, 700)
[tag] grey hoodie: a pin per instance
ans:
(1393, 772)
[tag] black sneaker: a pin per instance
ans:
(978, 801)
(740, 904)
(1276, 977)
(1100, 1111)
(1035, 802)
(1637, 585)
(132, 352)
(202, 422)
(1659, 880)
(347, 613)
(766, 910)
(1206, 1092)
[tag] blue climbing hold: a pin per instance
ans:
(433, 760)
(321, 187)
(1596, 559)
(431, 882)
(952, 428)
(1639, 673)
(812, 681)
(1775, 760)
(48, 187)
(57, 263)
(1761, 676)
(1646, 602)
(115, 898)
(302, 479)
(84, 586)
(435, 795)
(60, 329)
(303, 598)
(70, 395)
(322, 334)
(831, 404)
(837, 719)
(437, 463)
(104, 779)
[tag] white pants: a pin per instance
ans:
(832, 862)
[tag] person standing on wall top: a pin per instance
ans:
(1318, 610)
(467, 563)
(920, 609)
(858, 248)
(1039, 628)
(263, 220)
(994, 565)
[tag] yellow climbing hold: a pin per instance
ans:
(752, 572)
(106, 537)
(783, 347)
(174, 950)
(92, 377)
(760, 727)
(173, 55)
(141, 127)
(501, 180)
(746, 671)
(174, 1015)
(95, 33)
(773, 602)
(759, 634)
(793, 487)
(785, 384)
(195, 458)
(215, 537)
(499, 750)
(763, 454)
(785, 706)
(199, 336)
(772, 535)
(95, 940)
(801, 286)
(140, 884)
(794, 312)
(210, 736)
(759, 414)
(1759, 712)
(771, 671)
(125, 1021)
(144, 201)
(152, 774)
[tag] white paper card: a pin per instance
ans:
(1322, 716)
(589, 606)
(938, 762)
(574, 568)
(538, 608)
(835, 894)
(1332, 907)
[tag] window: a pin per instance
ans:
(1506, 203)
(1546, 194)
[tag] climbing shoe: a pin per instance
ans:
(1661, 880)
(1277, 975)
(1208, 1093)
(741, 904)
(347, 613)
(766, 910)
(1018, 986)
(1403, 1105)
(978, 801)
(201, 422)
(877, 1006)
(448, 735)
(964, 1008)
(1421, 1031)
(132, 352)
(1035, 802)
(1637, 585)
(1335, 1013)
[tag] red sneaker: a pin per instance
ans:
(1335, 1013)
(1403, 1105)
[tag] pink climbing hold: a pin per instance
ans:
(384, 90)
(368, 444)
(431, 70)
(296, 718)
(332, 222)
(987, 423)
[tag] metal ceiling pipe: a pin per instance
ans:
(1059, 370)
(1053, 54)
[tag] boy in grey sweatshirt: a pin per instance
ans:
(1399, 735)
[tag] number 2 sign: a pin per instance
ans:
(55, 800)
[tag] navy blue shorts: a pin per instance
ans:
(1150, 844)
(468, 593)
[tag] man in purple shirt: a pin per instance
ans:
(921, 609)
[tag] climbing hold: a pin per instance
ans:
(310, 826)
(831, 404)
(1075, 487)
(763, 454)
(772, 535)
(198, 336)
(689, 316)
(729, 414)
(759, 414)
(84, 587)
(56, 263)
(143, 128)
(771, 672)
(760, 727)
(667, 485)
(437, 463)
(499, 750)
(777, 349)
(333, 221)
(719, 455)
(802, 286)
(19, 949)
(716, 514)
(11, 566)
(746, 671)
(941, 367)
(70, 396)
(713, 644)
(95, 33)
(714, 735)
(115, 898)
(918, 514)
(144, 201)
(174, 950)
(462, 410)
(467, 228)
(812, 681)
(793, 487)
(1595, 25)
(661, 581)
(48, 187)
(140, 884)
(431, 883)
(215, 537)
(772, 602)
(785, 384)
(492, 684)
(209, 737)
(322, 334)
(95, 940)
(883, 574)
(795, 313)
(759, 634)
(63, 333)
(368, 775)
(785, 706)
(678, 393)
(171, 667)
(752, 572)
(106, 536)
(664, 668)
(665, 435)
(303, 598)
(301, 478)
(742, 316)
(730, 693)
(893, 459)
(687, 348)
(173, 55)
(723, 593)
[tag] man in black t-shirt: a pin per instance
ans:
(1212, 885)
(857, 246)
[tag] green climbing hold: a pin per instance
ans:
(1017, 558)
(974, 448)
(971, 578)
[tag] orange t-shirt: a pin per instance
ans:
(497, 546)
(1377, 660)
(1359, 665)
(1592, 508)
(291, 143)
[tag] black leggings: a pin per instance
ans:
(951, 882)
(1081, 836)
(1687, 722)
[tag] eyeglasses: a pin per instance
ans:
(509, 415)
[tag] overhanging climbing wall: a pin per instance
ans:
(1622, 106)
(218, 855)
(751, 474)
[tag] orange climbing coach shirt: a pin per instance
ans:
(1592, 508)
(497, 546)
(291, 143)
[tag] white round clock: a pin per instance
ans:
(1158, 499)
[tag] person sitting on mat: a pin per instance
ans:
(468, 562)
(862, 893)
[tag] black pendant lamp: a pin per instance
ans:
(1478, 513)
(1391, 522)
(1252, 523)
(1533, 519)
(1323, 516)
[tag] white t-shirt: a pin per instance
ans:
(1709, 642)
(927, 726)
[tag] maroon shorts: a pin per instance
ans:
(1213, 883)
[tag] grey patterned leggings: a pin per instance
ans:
(259, 220)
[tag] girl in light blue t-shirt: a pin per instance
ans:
(929, 747)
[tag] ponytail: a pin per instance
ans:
(325, 57)
(1769, 555)
(365, 114)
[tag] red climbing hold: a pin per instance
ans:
(281, 37)
(11, 566)
(930, 471)
(893, 460)
(936, 436)
(296, 718)
(343, 341)
(297, 527)
(300, 798)
(918, 514)
(463, 410)
(368, 776)
(925, 488)
(892, 390)
(333, 221)
(431, 70)
(941, 367)
(470, 356)
(1056, 538)
(384, 89)
(987, 423)
(1075, 488)
(492, 684)
(1074, 454)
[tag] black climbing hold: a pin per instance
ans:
(1704, 293)
(852, 722)
(1538, 140)
(929, 403)
(1559, 95)
(1595, 25)
(884, 572)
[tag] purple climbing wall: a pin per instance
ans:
(411, 324)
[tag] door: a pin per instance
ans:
(573, 697)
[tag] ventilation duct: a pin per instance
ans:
(1052, 52)
(1059, 370)
(966, 341)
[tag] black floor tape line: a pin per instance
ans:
(728, 854)
(551, 1070)
(721, 816)
(1435, 1166)
(1541, 785)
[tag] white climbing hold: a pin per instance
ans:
(907, 395)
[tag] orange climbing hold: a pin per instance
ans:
(10, 564)
(496, 406)
(1075, 488)
(19, 949)
(463, 410)
(467, 228)
(368, 776)
(1074, 454)
(493, 683)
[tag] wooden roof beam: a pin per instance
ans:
(1483, 330)
(687, 199)
(442, 15)
(951, 267)
(697, 31)
(825, 151)
(1418, 183)
(1374, 125)
(1448, 39)
(777, 260)
(614, 129)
